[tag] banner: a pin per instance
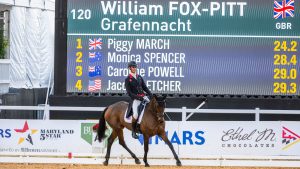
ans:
(190, 139)
(57, 137)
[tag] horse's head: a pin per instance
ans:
(159, 105)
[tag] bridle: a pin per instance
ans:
(160, 115)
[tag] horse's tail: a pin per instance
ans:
(102, 126)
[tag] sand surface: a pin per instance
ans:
(68, 166)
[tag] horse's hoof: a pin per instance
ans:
(137, 161)
(178, 163)
(105, 163)
(147, 165)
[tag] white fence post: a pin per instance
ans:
(46, 112)
(183, 113)
(257, 113)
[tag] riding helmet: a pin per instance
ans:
(132, 63)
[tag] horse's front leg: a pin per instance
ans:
(146, 148)
(166, 140)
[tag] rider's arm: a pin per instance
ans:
(145, 88)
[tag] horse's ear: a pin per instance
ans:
(155, 96)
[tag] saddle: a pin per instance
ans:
(129, 111)
(140, 109)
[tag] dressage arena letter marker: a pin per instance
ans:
(70, 155)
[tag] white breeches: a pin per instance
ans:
(135, 105)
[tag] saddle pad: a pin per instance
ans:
(129, 119)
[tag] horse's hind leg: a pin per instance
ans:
(111, 139)
(123, 144)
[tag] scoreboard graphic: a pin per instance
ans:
(248, 47)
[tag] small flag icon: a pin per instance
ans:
(94, 56)
(94, 71)
(94, 85)
(95, 43)
(283, 9)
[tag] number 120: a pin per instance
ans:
(81, 14)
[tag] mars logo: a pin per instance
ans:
(5, 133)
(26, 134)
(186, 138)
(289, 138)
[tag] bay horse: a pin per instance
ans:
(153, 123)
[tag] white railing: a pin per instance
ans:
(183, 110)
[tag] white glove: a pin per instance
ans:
(146, 98)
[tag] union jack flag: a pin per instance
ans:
(94, 85)
(284, 9)
(95, 43)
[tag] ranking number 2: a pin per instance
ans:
(81, 14)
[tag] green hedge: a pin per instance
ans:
(3, 45)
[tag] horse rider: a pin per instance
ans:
(135, 87)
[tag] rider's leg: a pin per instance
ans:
(134, 130)
(135, 105)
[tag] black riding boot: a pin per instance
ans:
(134, 135)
